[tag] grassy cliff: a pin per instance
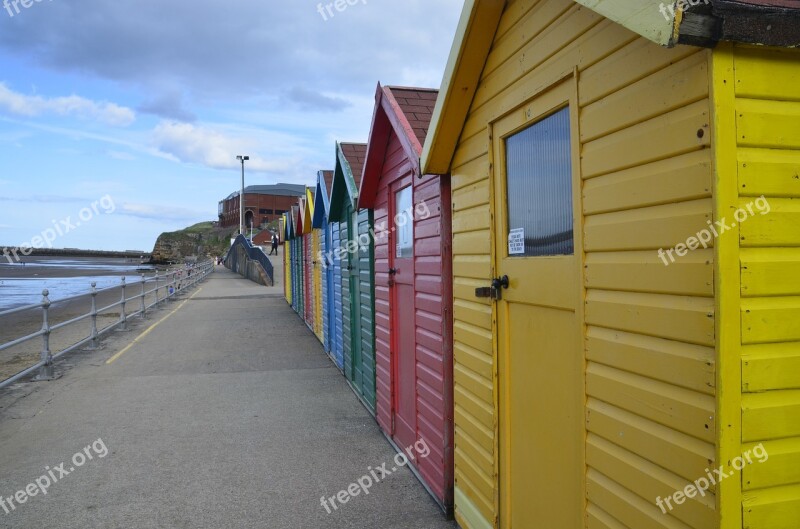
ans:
(201, 240)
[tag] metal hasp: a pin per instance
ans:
(495, 291)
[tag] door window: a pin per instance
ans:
(539, 189)
(404, 211)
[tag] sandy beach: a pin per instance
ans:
(58, 272)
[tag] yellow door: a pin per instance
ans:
(539, 314)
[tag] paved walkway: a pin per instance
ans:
(226, 414)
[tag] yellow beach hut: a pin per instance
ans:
(626, 261)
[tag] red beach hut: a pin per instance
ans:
(413, 285)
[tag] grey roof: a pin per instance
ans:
(281, 190)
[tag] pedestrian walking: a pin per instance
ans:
(274, 244)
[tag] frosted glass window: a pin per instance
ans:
(405, 223)
(539, 187)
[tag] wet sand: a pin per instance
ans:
(30, 321)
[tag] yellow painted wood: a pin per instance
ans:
(768, 123)
(771, 366)
(769, 172)
(644, 271)
(691, 319)
(770, 415)
(540, 364)
(776, 508)
(778, 227)
(780, 466)
(726, 283)
(767, 73)
(637, 60)
(473, 313)
(472, 266)
(674, 179)
(668, 135)
(775, 319)
(768, 159)
(675, 363)
(770, 272)
(648, 228)
(546, 38)
(467, 515)
(671, 88)
(599, 519)
(624, 505)
(648, 481)
(582, 51)
(683, 455)
(683, 410)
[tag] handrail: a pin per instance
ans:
(174, 283)
(254, 253)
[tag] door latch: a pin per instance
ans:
(495, 291)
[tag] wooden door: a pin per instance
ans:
(357, 374)
(539, 317)
(404, 362)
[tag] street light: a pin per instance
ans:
(241, 196)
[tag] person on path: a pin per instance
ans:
(274, 244)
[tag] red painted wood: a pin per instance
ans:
(414, 367)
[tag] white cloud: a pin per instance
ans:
(209, 146)
(159, 212)
(73, 105)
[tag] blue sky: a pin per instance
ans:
(149, 102)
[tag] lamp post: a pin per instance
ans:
(241, 196)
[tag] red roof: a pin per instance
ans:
(356, 155)
(328, 177)
(417, 104)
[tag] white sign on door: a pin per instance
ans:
(516, 241)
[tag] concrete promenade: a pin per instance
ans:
(219, 411)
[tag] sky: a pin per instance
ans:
(120, 120)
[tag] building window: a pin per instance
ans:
(539, 187)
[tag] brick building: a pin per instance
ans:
(263, 204)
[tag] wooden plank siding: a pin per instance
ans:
(317, 273)
(647, 171)
(768, 164)
(366, 305)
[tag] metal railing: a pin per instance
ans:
(254, 253)
(170, 284)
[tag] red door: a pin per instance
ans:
(401, 264)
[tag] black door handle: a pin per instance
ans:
(392, 271)
(500, 282)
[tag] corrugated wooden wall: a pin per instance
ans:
(432, 317)
(338, 338)
(768, 163)
(646, 164)
(433, 324)
(366, 305)
(316, 272)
